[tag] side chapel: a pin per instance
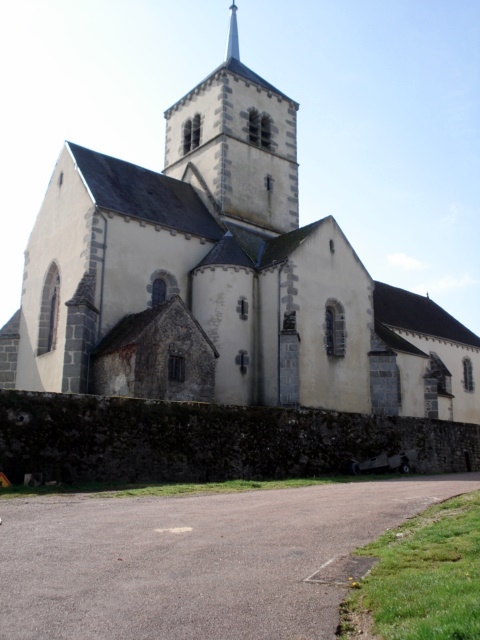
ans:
(198, 284)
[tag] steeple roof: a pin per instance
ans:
(233, 46)
(238, 68)
(232, 63)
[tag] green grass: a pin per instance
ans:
(168, 489)
(427, 584)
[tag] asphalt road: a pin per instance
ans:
(223, 567)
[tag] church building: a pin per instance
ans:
(198, 283)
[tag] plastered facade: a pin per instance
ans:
(332, 382)
(136, 251)
(218, 292)
(235, 170)
(412, 371)
(465, 405)
(61, 236)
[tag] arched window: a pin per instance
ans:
(330, 330)
(192, 132)
(468, 375)
(159, 291)
(187, 136)
(196, 130)
(441, 373)
(253, 127)
(259, 129)
(334, 329)
(265, 132)
(53, 320)
(162, 286)
(50, 305)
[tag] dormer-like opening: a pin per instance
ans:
(187, 136)
(253, 126)
(266, 132)
(192, 133)
(196, 130)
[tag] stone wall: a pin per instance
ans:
(9, 339)
(289, 374)
(384, 382)
(74, 438)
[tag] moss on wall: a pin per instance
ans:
(69, 437)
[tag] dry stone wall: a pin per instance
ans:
(83, 438)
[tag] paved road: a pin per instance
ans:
(224, 567)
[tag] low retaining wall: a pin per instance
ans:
(83, 438)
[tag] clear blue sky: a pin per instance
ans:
(389, 120)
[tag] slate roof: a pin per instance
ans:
(12, 327)
(227, 252)
(396, 342)
(131, 190)
(247, 248)
(235, 66)
(278, 249)
(252, 242)
(405, 310)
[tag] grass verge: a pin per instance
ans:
(168, 489)
(427, 583)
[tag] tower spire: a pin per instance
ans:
(233, 48)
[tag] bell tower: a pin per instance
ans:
(234, 138)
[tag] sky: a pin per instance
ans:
(388, 127)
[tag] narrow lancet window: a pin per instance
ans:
(266, 132)
(187, 136)
(196, 131)
(49, 311)
(335, 337)
(159, 292)
(192, 133)
(253, 127)
(468, 375)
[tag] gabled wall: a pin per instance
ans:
(62, 234)
(331, 272)
(141, 367)
(465, 405)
